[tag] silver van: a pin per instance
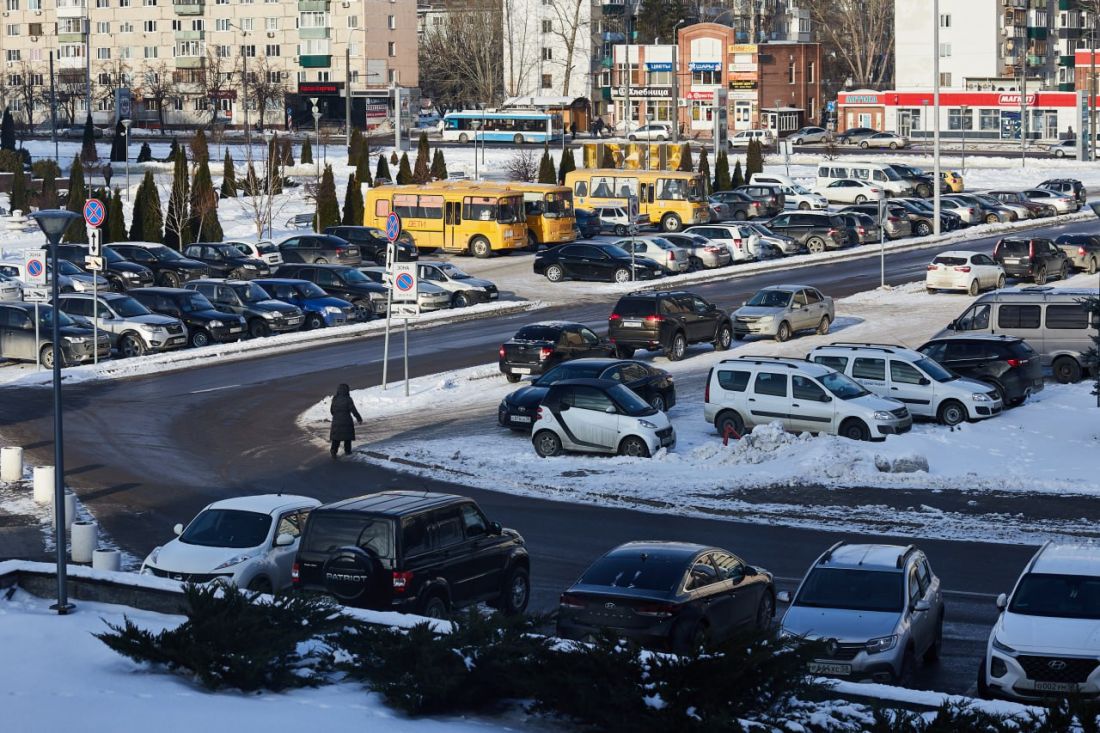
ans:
(1051, 320)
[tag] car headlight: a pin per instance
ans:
(79, 286)
(153, 555)
(882, 644)
(215, 324)
(377, 296)
(1002, 647)
(647, 424)
(332, 310)
(880, 415)
(980, 397)
(235, 560)
(766, 319)
(131, 275)
(268, 315)
(76, 339)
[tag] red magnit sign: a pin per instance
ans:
(1048, 100)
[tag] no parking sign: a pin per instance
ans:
(34, 263)
(404, 281)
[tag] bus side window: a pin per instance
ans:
(581, 188)
(382, 207)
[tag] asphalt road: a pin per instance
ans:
(147, 452)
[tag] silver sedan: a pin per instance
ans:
(885, 140)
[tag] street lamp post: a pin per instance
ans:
(126, 129)
(316, 133)
(676, 80)
(53, 223)
(936, 117)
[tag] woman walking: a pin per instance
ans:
(342, 429)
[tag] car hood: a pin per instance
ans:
(326, 302)
(474, 282)
(757, 311)
(75, 331)
(153, 319)
(527, 396)
(842, 625)
(970, 385)
(1044, 634)
(276, 306)
(128, 267)
(874, 402)
(209, 315)
(178, 557)
(646, 262)
(426, 288)
(185, 264)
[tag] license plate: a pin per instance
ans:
(294, 321)
(521, 418)
(632, 324)
(1057, 687)
(235, 329)
(1013, 261)
(520, 370)
(830, 668)
(177, 340)
(494, 296)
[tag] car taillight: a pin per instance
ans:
(706, 390)
(1030, 248)
(971, 210)
(963, 269)
(671, 256)
(1012, 362)
(710, 248)
(654, 319)
(545, 352)
(401, 581)
(1081, 252)
(294, 573)
(614, 317)
(655, 609)
(831, 233)
(861, 231)
(933, 266)
(893, 219)
(538, 415)
(501, 352)
(571, 601)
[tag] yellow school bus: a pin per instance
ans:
(548, 207)
(671, 199)
(455, 216)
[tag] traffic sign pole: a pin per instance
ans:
(393, 231)
(94, 214)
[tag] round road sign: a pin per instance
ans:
(35, 268)
(94, 213)
(393, 226)
(404, 282)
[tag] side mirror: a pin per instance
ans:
(178, 529)
(750, 571)
(825, 399)
(925, 381)
(495, 529)
(921, 606)
(284, 540)
(783, 596)
(954, 325)
(610, 410)
(1002, 602)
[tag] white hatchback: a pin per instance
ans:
(249, 541)
(970, 272)
(851, 191)
(264, 249)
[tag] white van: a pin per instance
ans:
(880, 174)
(910, 377)
(740, 140)
(797, 197)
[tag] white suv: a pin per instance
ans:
(747, 391)
(599, 416)
(910, 377)
(1046, 642)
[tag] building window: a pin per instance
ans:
(547, 26)
(353, 21)
(150, 26)
(810, 69)
(271, 49)
(34, 29)
(177, 25)
(790, 73)
(189, 49)
(391, 49)
(150, 52)
(221, 24)
(103, 54)
(274, 77)
(945, 20)
(658, 78)
(12, 5)
(547, 53)
(322, 76)
(547, 81)
(126, 27)
(989, 119)
(702, 110)
(945, 79)
(198, 25)
(271, 24)
(354, 76)
(249, 50)
(246, 25)
(103, 27)
(313, 20)
(391, 75)
(391, 22)
(12, 29)
(38, 80)
(706, 77)
(945, 50)
(222, 52)
(149, 3)
(126, 52)
(956, 120)
(34, 4)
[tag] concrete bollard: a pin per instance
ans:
(107, 560)
(43, 484)
(70, 510)
(84, 539)
(11, 464)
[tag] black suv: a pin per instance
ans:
(816, 232)
(1036, 259)
(667, 321)
(205, 323)
(19, 338)
(170, 268)
(539, 346)
(1006, 362)
(264, 314)
(225, 260)
(319, 249)
(120, 273)
(341, 281)
(372, 243)
(915, 178)
(412, 551)
(1067, 186)
(770, 196)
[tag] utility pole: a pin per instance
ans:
(936, 118)
(347, 100)
(676, 80)
(87, 62)
(627, 24)
(1090, 151)
(53, 110)
(1023, 109)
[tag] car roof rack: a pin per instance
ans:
(888, 348)
(775, 361)
(909, 550)
(828, 554)
(1037, 289)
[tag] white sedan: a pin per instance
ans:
(249, 541)
(851, 191)
(650, 132)
(970, 272)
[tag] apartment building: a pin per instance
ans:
(182, 62)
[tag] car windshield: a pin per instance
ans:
(251, 292)
(112, 257)
(45, 318)
(353, 276)
(770, 299)
(266, 248)
(570, 370)
(453, 272)
(194, 302)
(165, 254)
(538, 333)
(842, 386)
(226, 250)
(127, 307)
(310, 290)
(762, 230)
(800, 190)
(68, 268)
(949, 261)
(328, 531)
(629, 402)
(852, 590)
(641, 571)
(934, 370)
(227, 528)
(510, 210)
(1060, 596)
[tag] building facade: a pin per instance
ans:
(185, 62)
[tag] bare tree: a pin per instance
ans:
(28, 90)
(518, 34)
(460, 60)
(157, 84)
(569, 22)
(110, 76)
(861, 34)
(265, 86)
(70, 87)
(262, 188)
(523, 166)
(215, 81)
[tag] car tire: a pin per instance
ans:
(1066, 370)
(261, 584)
(740, 215)
(435, 607)
(816, 245)
(512, 378)
(547, 444)
(677, 348)
(854, 429)
(982, 685)
(460, 300)
(1000, 282)
(235, 274)
(933, 653)
(169, 280)
(893, 146)
(200, 337)
(1091, 269)
(729, 419)
(320, 261)
(951, 413)
(258, 329)
(633, 447)
(518, 139)
(632, 138)
(1065, 272)
(1041, 276)
(516, 592)
(923, 229)
(555, 273)
(116, 285)
(930, 291)
(695, 264)
(803, 206)
(314, 321)
(783, 333)
(622, 275)
(973, 290)
(671, 223)
(657, 402)
(45, 356)
(724, 340)
(861, 199)
(992, 219)
(363, 310)
(796, 141)
(131, 345)
(908, 664)
(463, 138)
(624, 352)
(823, 326)
(480, 248)
(864, 145)
(765, 611)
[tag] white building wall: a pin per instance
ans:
(970, 43)
(536, 48)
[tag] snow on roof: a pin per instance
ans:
(265, 503)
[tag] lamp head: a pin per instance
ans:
(54, 222)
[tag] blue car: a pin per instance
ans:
(588, 223)
(320, 309)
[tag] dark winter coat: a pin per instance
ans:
(343, 409)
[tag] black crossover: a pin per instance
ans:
(539, 346)
(668, 322)
(591, 261)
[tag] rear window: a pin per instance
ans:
(840, 363)
(869, 369)
(1018, 316)
(538, 333)
(733, 381)
(1014, 247)
(636, 307)
(951, 261)
(835, 221)
(644, 571)
(1067, 316)
(327, 532)
(1020, 350)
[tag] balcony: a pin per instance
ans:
(71, 62)
(1067, 60)
(188, 7)
(190, 35)
(312, 6)
(1033, 60)
(1070, 34)
(1037, 33)
(70, 38)
(189, 62)
(314, 33)
(72, 9)
(315, 61)
(1067, 86)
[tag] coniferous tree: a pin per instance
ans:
(738, 178)
(355, 145)
(439, 166)
(173, 151)
(7, 132)
(47, 195)
(362, 166)
(685, 158)
(145, 154)
(547, 174)
(18, 199)
(306, 156)
(137, 220)
(200, 151)
(607, 160)
(152, 223)
(251, 185)
(116, 231)
(229, 178)
(404, 172)
(722, 181)
(754, 159)
(394, 160)
(328, 208)
(177, 234)
(286, 152)
(568, 163)
(420, 173)
(204, 225)
(76, 233)
(353, 203)
(88, 153)
(704, 169)
(118, 144)
(382, 173)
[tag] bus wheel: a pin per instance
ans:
(671, 223)
(464, 138)
(480, 248)
(518, 139)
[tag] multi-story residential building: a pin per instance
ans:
(758, 21)
(181, 62)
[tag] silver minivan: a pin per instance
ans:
(1052, 321)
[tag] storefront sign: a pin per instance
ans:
(700, 95)
(224, 94)
(734, 94)
(743, 76)
(742, 48)
(658, 66)
(861, 99)
(320, 87)
(705, 66)
(644, 92)
(743, 84)
(1013, 100)
(743, 67)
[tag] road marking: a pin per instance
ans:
(215, 389)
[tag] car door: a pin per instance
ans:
(698, 318)
(330, 282)
(587, 262)
(290, 249)
(485, 559)
(281, 558)
(818, 306)
(799, 314)
(590, 420)
(710, 595)
(921, 623)
(592, 346)
(768, 399)
(812, 409)
(743, 593)
(7, 335)
(19, 335)
(909, 386)
(454, 561)
(989, 272)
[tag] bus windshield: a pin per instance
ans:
(558, 205)
(679, 189)
(510, 210)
